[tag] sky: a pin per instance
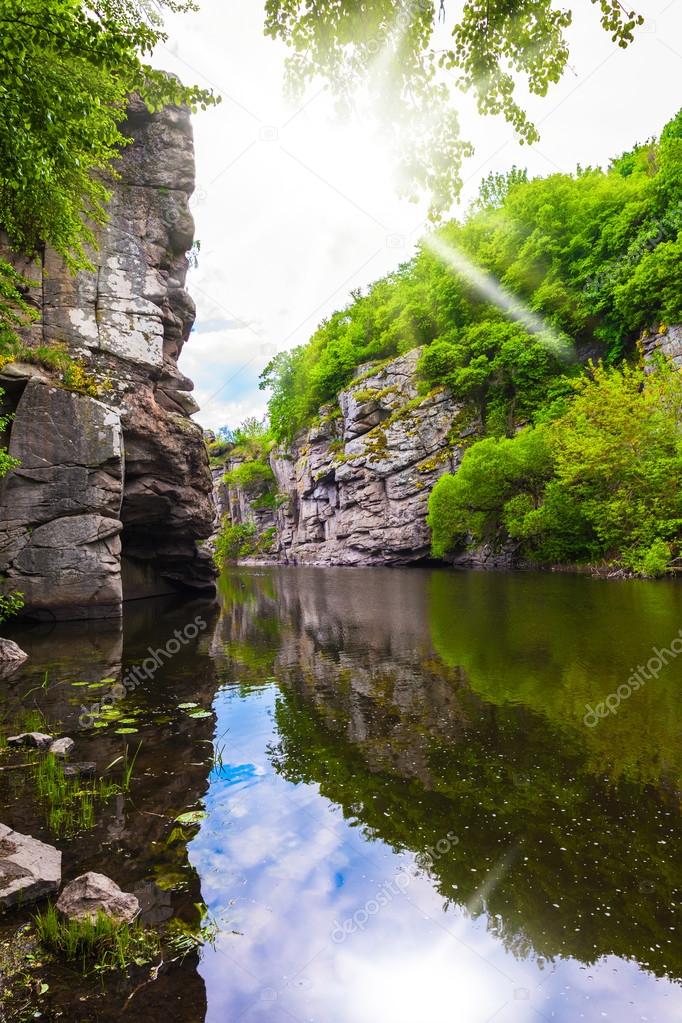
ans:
(294, 208)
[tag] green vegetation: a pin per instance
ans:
(242, 540)
(66, 69)
(69, 803)
(98, 943)
(383, 54)
(596, 255)
(600, 483)
(70, 372)
(252, 477)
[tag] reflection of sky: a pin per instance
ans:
(280, 866)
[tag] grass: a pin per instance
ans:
(96, 943)
(69, 803)
(128, 766)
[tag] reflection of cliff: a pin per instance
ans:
(561, 860)
(134, 839)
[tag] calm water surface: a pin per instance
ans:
(407, 818)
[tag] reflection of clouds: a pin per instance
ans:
(281, 866)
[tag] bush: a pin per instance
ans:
(596, 254)
(250, 476)
(242, 540)
(603, 481)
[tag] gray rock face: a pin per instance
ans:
(29, 869)
(668, 342)
(357, 484)
(92, 893)
(122, 478)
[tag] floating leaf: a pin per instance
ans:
(187, 706)
(125, 731)
(200, 714)
(191, 817)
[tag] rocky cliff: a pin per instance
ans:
(113, 491)
(353, 489)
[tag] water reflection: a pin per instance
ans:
(406, 816)
(406, 706)
(130, 839)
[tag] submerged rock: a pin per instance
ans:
(62, 747)
(81, 770)
(92, 893)
(39, 740)
(29, 869)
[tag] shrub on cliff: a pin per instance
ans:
(602, 482)
(253, 477)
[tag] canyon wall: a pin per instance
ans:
(353, 489)
(112, 495)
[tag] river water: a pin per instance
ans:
(407, 810)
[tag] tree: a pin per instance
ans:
(389, 49)
(602, 482)
(66, 70)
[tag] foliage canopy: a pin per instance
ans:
(395, 53)
(597, 254)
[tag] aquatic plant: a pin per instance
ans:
(97, 943)
(69, 803)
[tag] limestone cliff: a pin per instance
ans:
(353, 489)
(113, 492)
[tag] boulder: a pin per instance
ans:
(91, 893)
(29, 869)
(39, 740)
(11, 657)
(61, 747)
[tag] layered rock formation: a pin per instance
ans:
(353, 490)
(112, 492)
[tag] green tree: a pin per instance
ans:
(602, 482)
(389, 49)
(594, 254)
(66, 69)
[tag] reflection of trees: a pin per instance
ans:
(400, 741)
(555, 644)
(585, 874)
